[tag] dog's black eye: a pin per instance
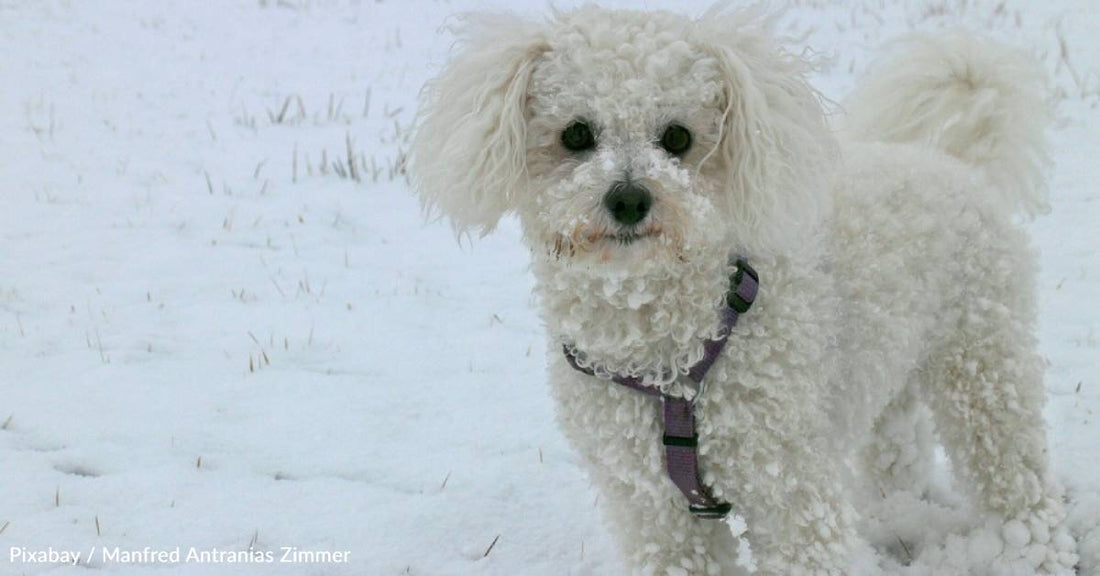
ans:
(676, 139)
(578, 137)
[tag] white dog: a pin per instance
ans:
(644, 152)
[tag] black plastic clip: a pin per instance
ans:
(685, 442)
(716, 512)
(733, 299)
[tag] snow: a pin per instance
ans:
(208, 342)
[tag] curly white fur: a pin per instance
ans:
(479, 99)
(894, 280)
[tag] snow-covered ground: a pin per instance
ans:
(215, 334)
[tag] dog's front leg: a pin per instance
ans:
(618, 434)
(787, 490)
(656, 533)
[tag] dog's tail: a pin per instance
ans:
(971, 98)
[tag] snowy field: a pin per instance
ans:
(224, 323)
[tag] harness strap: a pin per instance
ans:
(681, 440)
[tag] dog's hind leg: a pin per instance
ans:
(986, 392)
(901, 452)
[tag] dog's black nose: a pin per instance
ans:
(628, 202)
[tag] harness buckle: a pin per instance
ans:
(716, 512)
(733, 298)
(681, 441)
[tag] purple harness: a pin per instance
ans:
(681, 440)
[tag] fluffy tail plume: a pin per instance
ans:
(976, 100)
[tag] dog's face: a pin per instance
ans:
(621, 136)
(620, 123)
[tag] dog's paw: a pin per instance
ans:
(1039, 547)
(1039, 542)
(1035, 543)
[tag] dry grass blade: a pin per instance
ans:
(352, 168)
(490, 548)
(277, 287)
(282, 113)
(904, 546)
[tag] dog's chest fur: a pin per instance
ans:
(642, 316)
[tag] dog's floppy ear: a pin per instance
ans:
(468, 157)
(775, 147)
